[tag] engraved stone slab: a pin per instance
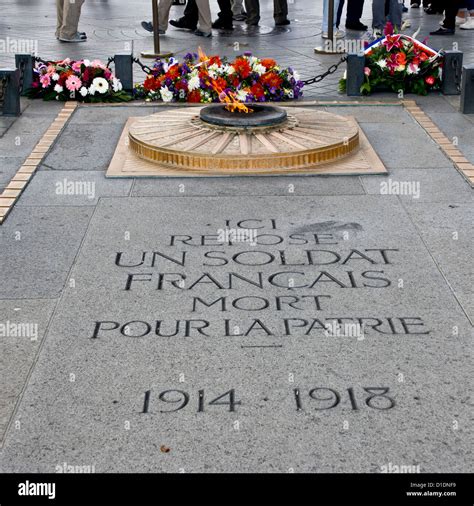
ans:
(272, 334)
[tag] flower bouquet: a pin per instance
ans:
(80, 80)
(400, 63)
(206, 79)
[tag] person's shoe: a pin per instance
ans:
(360, 27)
(81, 34)
(182, 23)
(468, 25)
(404, 9)
(220, 24)
(200, 33)
(240, 17)
(76, 38)
(443, 31)
(405, 24)
(282, 22)
(460, 21)
(147, 25)
(415, 5)
(432, 10)
(378, 33)
(338, 34)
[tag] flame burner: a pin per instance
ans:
(261, 116)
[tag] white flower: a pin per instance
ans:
(241, 95)
(100, 84)
(382, 64)
(259, 69)
(116, 85)
(252, 60)
(91, 89)
(345, 74)
(55, 77)
(296, 75)
(166, 94)
(214, 67)
(87, 63)
(413, 69)
(83, 91)
(58, 88)
(194, 82)
(229, 69)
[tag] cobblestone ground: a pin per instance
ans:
(112, 27)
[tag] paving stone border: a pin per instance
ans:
(20, 180)
(462, 164)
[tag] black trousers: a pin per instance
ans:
(191, 13)
(225, 11)
(354, 11)
(451, 8)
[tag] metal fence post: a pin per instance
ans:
(124, 70)
(467, 90)
(452, 71)
(11, 97)
(25, 63)
(355, 74)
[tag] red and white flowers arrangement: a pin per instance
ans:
(402, 64)
(82, 80)
(206, 79)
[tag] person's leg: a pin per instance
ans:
(71, 15)
(189, 18)
(164, 8)
(450, 11)
(326, 14)
(225, 12)
(354, 11)
(204, 16)
(59, 13)
(378, 14)
(253, 11)
(396, 14)
(339, 12)
(237, 7)
(280, 11)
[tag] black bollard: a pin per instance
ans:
(11, 97)
(452, 71)
(467, 90)
(124, 70)
(355, 74)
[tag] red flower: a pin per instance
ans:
(63, 77)
(214, 60)
(173, 72)
(194, 96)
(242, 67)
(430, 80)
(181, 85)
(152, 83)
(268, 63)
(271, 80)
(257, 91)
(220, 83)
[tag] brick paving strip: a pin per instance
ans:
(462, 164)
(20, 180)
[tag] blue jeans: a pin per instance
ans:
(326, 14)
(378, 13)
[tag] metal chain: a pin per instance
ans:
(40, 60)
(328, 72)
(109, 61)
(457, 75)
(22, 76)
(3, 88)
(145, 68)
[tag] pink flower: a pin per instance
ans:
(51, 69)
(98, 64)
(367, 71)
(392, 41)
(45, 80)
(388, 30)
(73, 83)
(76, 66)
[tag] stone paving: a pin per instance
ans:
(133, 339)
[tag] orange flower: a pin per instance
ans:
(242, 67)
(268, 63)
(271, 80)
(401, 58)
